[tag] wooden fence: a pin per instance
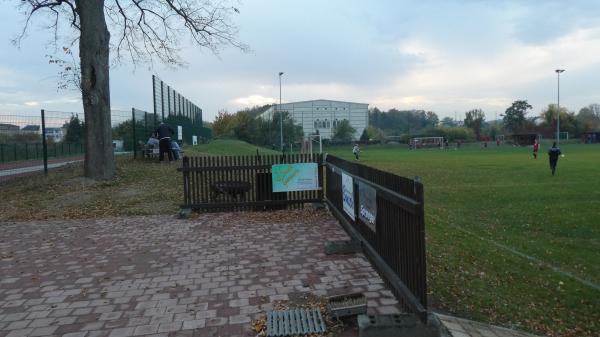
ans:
(224, 183)
(395, 242)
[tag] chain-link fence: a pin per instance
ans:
(39, 141)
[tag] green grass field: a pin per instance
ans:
(507, 242)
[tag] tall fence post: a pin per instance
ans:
(44, 144)
(133, 131)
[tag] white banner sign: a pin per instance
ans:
(348, 195)
(179, 132)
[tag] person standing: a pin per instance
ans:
(536, 147)
(553, 155)
(164, 133)
(356, 151)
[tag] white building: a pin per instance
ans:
(324, 115)
(56, 134)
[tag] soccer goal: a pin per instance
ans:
(563, 135)
(312, 141)
(421, 142)
(500, 138)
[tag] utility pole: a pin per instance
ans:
(558, 71)
(280, 115)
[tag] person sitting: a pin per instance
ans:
(175, 149)
(151, 145)
(152, 142)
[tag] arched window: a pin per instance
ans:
(317, 124)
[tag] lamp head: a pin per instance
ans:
(558, 71)
(281, 73)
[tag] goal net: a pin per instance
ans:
(312, 144)
(421, 142)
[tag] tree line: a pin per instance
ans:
(516, 119)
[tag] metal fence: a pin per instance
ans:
(223, 183)
(391, 229)
(36, 142)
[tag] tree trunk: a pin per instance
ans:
(94, 57)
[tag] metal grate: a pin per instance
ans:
(294, 322)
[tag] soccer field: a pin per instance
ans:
(507, 242)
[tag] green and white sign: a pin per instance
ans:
(295, 177)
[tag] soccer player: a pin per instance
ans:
(536, 147)
(553, 155)
(356, 151)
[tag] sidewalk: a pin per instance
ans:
(207, 276)
(9, 170)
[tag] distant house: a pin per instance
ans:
(31, 129)
(56, 134)
(9, 128)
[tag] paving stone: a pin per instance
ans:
(145, 329)
(122, 332)
(194, 324)
(75, 334)
(20, 333)
(17, 325)
(44, 331)
(170, 327)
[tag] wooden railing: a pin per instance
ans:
(224, 183)
(395, 241)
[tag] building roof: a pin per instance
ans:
(321, 99)
(31, 128)
(5, 126)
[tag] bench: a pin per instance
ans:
(235, 189)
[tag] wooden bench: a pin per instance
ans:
(235, 189)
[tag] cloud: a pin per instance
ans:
(444, 56)
(254, 100)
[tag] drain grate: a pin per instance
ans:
(294, 322)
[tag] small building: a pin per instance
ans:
(524, 138)
(117, 145)
(590, 137)
(8, 128)
(31, 129)
(322, 116)
(55, 134)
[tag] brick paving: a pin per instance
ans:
(159, 276)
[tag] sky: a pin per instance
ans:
(444, 56)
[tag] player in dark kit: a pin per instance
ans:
(553, 155)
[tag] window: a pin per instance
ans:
(317, 124)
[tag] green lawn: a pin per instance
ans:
(487, 210)
(230, 147)
(141, 187)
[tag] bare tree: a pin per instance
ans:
(142, 31)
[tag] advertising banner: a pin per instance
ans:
(348, 195)
(367, 203)
(295, 177)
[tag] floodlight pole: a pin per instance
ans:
(280, 115)
(558, 71)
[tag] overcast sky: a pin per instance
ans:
(446, 56)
